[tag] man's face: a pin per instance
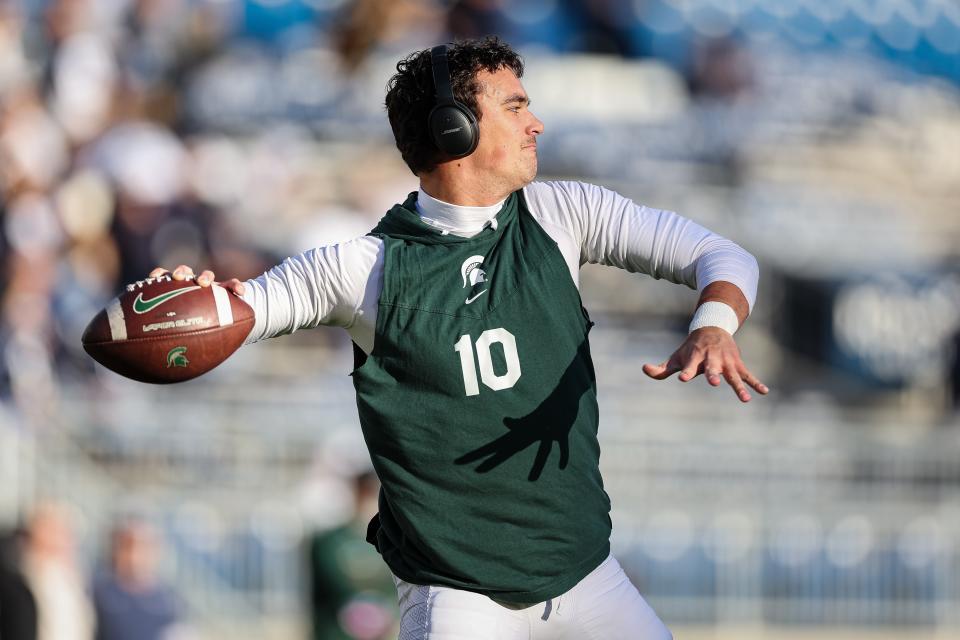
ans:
(507, 151)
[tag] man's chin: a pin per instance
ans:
(531, 175)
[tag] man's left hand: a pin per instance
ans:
(712, 352)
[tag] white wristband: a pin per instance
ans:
(715, 314)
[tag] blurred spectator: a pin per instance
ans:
(64, 611)
(470, 19)
(18, 609)
(352, 594)
(603, 26)
(722, 70)
(130, 600)
(369, 24)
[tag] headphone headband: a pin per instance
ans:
(441, 75)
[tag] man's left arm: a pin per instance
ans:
(613, 230)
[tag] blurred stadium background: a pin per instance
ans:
(822, 135)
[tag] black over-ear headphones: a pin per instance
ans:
(453, 127)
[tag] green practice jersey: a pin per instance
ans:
(478, 405)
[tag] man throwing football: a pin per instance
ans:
(475, 385)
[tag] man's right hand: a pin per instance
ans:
(205, 279)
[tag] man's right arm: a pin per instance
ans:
(322, 286)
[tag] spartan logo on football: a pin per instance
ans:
(177, 357)
(473, 277)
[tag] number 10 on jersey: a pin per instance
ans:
(465, 347)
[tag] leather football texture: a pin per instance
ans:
(162, 330)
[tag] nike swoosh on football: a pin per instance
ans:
(142, 306)
(469, 300)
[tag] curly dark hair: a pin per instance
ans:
(410, 93)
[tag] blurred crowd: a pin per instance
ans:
(228, 134)
(45, 594)
(51, 590)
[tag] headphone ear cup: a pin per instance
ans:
(453, 129)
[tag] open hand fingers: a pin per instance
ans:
(754, 382)
(663, 370)
(714, 354)
(713, 370)
(692, 367)
(736, 383)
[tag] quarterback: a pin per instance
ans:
(474, 381)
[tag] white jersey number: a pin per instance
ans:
(487, 339)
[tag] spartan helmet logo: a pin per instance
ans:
(471, 271)
(177, 357)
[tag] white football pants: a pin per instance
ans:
(602, 606)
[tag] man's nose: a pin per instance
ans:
(536, 127)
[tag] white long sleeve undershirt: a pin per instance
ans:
(340, 284)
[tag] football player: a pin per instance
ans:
(474, 382)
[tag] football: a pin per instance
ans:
(162, 330)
